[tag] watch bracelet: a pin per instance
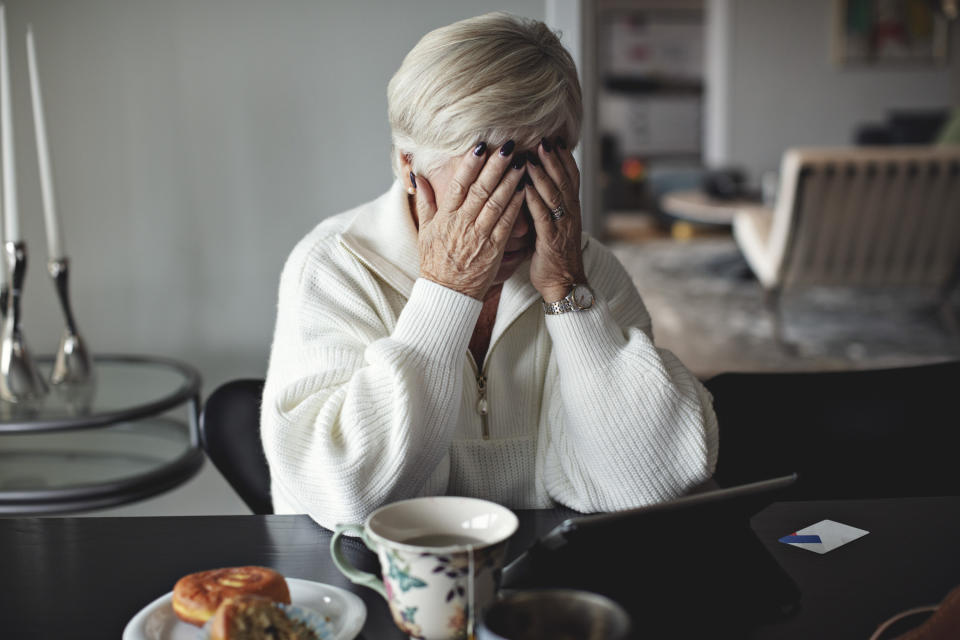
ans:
(563, 305)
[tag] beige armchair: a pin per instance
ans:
(859, 216)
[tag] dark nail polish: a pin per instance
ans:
(507, 149)
(479, 149)
(533, 159)
(413, 180)
(546, 145)
(561, 143)
(519, 161)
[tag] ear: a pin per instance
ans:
(406, 169)
(406, 162)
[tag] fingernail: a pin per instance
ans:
(561, 143)
(534, 160)
(519, 161)
(546, 145)
(413, 180)
(479, 149)
(507, 149)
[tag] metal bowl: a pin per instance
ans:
(554, 614)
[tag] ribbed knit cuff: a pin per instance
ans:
(585, 339)
(437, 322)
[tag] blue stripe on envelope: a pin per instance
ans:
(795, 538)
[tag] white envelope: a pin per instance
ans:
(832, 535)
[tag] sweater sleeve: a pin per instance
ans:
(625, 423)
(354, 414)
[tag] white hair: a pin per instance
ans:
(492, 78)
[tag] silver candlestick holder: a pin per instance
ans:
(20, 381)
(72, 365)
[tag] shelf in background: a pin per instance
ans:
(637, 227)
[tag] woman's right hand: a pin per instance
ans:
(463, 237)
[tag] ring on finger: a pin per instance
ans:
(559, 212)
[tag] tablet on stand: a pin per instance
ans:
(682, 567)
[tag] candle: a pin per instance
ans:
(6, 131)
(54, 240)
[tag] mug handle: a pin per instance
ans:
(353, 574)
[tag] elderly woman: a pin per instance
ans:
(459, 334)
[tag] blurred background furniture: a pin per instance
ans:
(950, 134)
(649, 84)
(230, 433)
(698, 207)
(904, 128)
(849, 434)
(861, 216)
(113, 442)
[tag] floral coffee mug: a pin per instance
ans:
(440, 558)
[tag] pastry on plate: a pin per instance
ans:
(257, 618)
(197, 596)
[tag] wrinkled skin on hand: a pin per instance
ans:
(464, 232)
(480, 214)
(557, 262)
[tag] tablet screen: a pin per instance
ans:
(735, 503)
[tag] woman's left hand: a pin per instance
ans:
(554, 204)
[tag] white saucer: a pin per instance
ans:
(345, 612)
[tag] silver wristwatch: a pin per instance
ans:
(580, 298)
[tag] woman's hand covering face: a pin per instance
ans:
(464, 231)
(557, 262)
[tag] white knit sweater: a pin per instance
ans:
(372, 395)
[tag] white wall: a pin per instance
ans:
(784, 89)
(194, 142)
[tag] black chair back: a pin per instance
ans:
(849, 434)
(230, 434)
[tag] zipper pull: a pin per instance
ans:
(482, 405)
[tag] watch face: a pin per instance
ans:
(583, 297)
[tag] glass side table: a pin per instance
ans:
(131, 435)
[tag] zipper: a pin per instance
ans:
(483, 405)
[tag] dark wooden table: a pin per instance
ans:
(87, 577)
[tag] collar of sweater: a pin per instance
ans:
(382, 235)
